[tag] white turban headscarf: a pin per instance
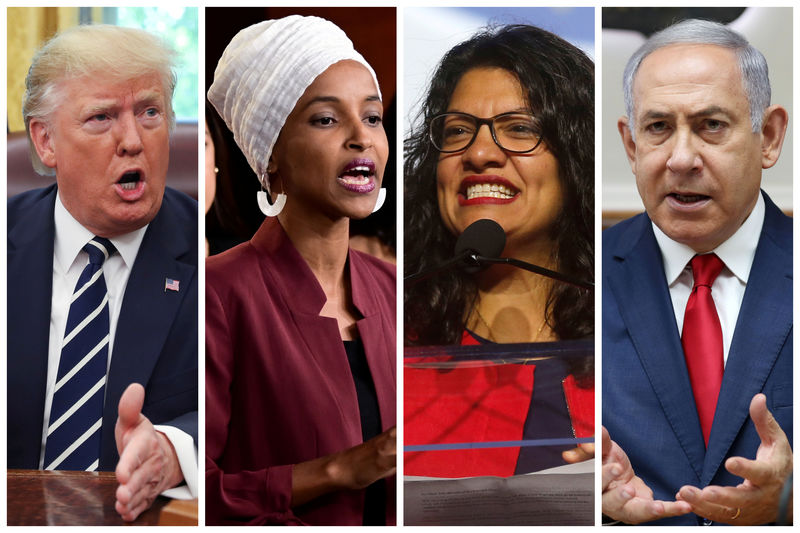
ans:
(265, 70)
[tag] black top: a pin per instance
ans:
(375, 494)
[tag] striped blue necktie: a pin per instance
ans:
(76, 415)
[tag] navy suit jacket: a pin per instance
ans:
(156, 337)
(648, 406)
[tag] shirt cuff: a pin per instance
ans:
(187, 459)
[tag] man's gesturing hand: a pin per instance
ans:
(147, 464)
(625, 496)
(755, 500)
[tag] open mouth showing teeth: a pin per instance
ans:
(362, 170)
(489, 190)
(129, 180)
(688, 198)
(359, 175)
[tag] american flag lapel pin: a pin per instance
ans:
(171, 285)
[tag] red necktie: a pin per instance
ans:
(702, 340)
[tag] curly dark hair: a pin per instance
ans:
(558, 81)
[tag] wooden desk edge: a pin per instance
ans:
(179, 513)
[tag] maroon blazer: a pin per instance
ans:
(278, 385)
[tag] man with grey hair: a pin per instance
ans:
(102, 273)
(697, 292)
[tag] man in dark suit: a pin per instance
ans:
(102, 273)
(697, 292)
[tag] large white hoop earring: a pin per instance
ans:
(381, 199)
(263, 199)
(271, 210)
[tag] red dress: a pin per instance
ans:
(477, 404)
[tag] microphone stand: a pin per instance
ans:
(479, 260)
(425, 274)
(469, 258)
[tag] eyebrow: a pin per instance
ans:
(145, 98)
(710, 110)
(337, 100)
(516, 110)
(705, 112)
(101, 107)
(148, 97)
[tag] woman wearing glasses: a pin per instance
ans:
(507, 133)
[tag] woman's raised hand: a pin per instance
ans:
(362, 465)
(351, 469)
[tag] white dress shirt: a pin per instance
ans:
(69, 260)
(728, 289)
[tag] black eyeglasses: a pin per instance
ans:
(513, 132)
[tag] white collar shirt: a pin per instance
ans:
(728, 289)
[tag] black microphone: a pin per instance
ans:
(482, 238)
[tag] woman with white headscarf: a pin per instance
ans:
(300, 330)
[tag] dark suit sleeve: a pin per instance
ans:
(257, 497)
(186, 423)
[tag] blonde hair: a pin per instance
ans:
(118, 53)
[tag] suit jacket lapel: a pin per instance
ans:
(30, 283)
(285, 269)
(639, 285)
(373, 333)
(148, 311)
(764, 323)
